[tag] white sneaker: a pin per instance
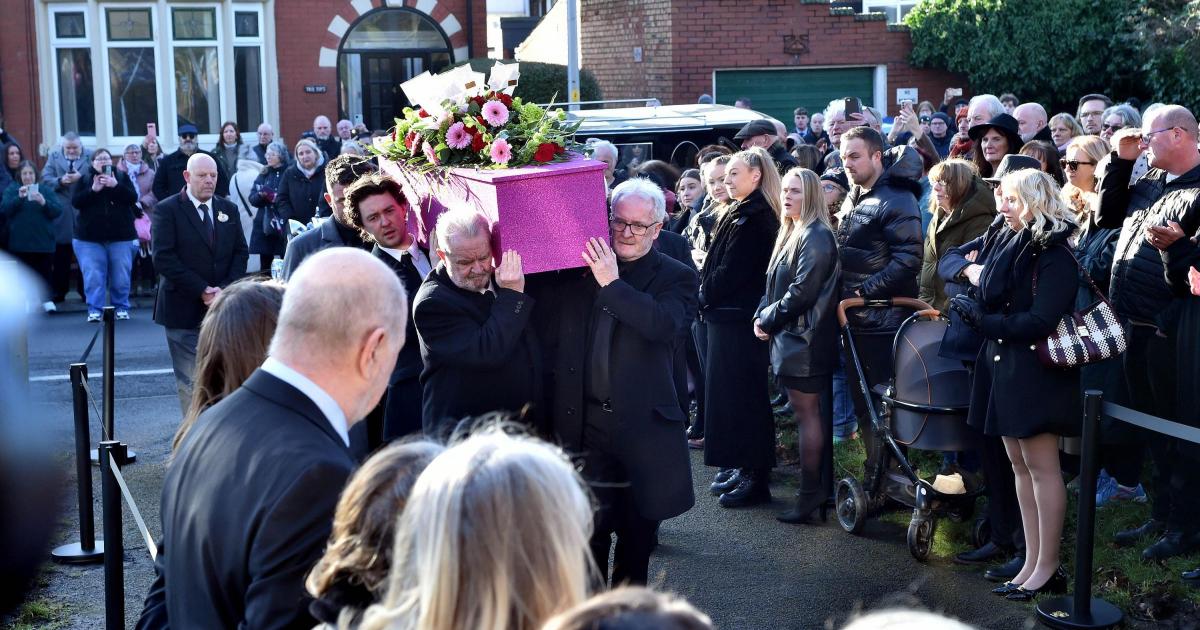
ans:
(93, 318)
(49, 307)
(122, 314)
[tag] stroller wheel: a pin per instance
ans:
(920, 534)
(981, 532)
(851, 504)
(962, 513)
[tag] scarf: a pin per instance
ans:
(132, 170)
(1004, 258)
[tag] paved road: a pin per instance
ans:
(741, 567)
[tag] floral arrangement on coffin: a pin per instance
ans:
(461, 121)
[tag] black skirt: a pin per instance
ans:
(739, 426)
(804, 384)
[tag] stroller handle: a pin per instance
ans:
(858, 302)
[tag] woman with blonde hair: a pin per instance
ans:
(632, 607)
(962, 206)
(234, 338)
(494, 537)
(798, 317)
(739, 426)
(1026, 280)
(1063, 129)
(353, 572)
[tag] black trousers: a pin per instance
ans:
(616, 514)
(1149, 366)
(697, 348)
(402, 413)
(60, 284)
(40, 263)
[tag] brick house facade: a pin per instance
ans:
(279, 61)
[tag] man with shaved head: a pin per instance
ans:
(1032, 122)
(248, 501)
(1159, 216)
(327, 141)
(199, 248)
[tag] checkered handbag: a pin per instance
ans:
(1086, 336)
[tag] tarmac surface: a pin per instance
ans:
(741, 567)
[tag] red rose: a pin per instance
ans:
(393, 135)
(505, 98)
(478, 100)
(411, 140)
(559, 149)
(545, 152)
(421, 113)
(482, 122)
(477, 142)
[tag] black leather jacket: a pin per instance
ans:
(799, 309)
(879, 237)
(1138, 288)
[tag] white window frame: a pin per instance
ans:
(105, 73)
(249, 134)
(87, 42)
(898, 5)
(205, 140)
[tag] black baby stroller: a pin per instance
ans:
(917, 399)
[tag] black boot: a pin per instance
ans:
(1170, 545)
(1130, 537)
(726, 480)
(752, 489)
(810, 497)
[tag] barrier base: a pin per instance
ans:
(1060, 613)
(74, 553)
(130, 457)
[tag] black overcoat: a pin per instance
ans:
(188, 263)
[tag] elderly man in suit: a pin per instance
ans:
(64, 167)
(199, 248)
(376, 206)
(248, 501)
(615, 398)
(478, 347)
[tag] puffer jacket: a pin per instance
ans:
(949, 230)
(1138, 289)
(879, 239)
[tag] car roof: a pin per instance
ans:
(600, 122)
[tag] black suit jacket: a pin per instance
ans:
(480, 352)
(247, 506)
(653, 302)
(188, 263)
(408, 364)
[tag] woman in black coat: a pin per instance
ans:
(798, 316)
(739, 428)
(1025, 284)
(267, 234)
(302, 186)
(105, 238)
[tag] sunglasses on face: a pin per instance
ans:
(1112, 127)
(925, 119)
(187, 136)
(1072, 165)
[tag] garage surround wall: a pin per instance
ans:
(683, 41)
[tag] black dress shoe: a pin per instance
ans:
(987, 553)
(751, 489)
(1006, 571)
(726, 480)
(1056, 585)
(1191, 578)
(1170, 545)
(1006, 588)
(1130, 537)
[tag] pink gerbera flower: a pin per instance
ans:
(495, 113)
(501, 152)
(457, 136)
(430, 154)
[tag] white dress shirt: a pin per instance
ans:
(196, 204)
(419, 259)
(328, 406)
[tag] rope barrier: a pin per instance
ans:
(88, 351)
(133, 508)
(96, 408)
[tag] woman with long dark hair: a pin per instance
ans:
(798, 317)
(739, 427)
(230, 148)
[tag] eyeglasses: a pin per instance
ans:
(637, 229)
(1145, 138)
(1090, 114)
(1072, 165)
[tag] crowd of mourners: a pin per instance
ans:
(412, 433)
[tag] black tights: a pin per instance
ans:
(811, 429)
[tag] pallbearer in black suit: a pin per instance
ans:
(377, 207)
(248, 499)
(632, 432)
(199, 248)
(478, 346)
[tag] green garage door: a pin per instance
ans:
(779, 92)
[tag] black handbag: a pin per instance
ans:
(960, 341)
(1086, 336)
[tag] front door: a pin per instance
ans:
(382, 74)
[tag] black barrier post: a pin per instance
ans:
(112, 451)
(110, 370)
(1080, 609)
(88, 549)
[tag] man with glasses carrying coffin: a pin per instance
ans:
(168, 179)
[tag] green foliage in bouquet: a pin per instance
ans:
(489, 130)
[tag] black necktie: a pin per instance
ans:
(409, 275)
(208, 224)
